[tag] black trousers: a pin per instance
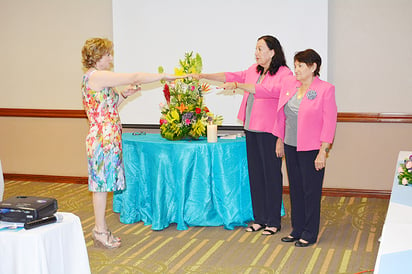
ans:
(265, 177)
(305, 184)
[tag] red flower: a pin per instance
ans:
(166, 92)
(163, 121)
(206, 109)
(198, 110)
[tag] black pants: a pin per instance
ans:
(265, 177)
(305, 184)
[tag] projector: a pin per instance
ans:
(23, 209)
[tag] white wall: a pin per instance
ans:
(148, 34)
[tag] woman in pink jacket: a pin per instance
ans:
(306, 122)
(261, 84)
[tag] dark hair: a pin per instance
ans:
(309, 57)
(278, 59)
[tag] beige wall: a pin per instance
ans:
(364, 155)
(46, 74)
(41, 44)
(52, 146)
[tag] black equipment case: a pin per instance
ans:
(23, 209)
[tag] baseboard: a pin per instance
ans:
(352, 117)
(367, 193)
(337, 192)
(45, 178)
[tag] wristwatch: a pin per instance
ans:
(327, 150)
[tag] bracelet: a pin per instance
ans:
(235, 85)
(124, 97)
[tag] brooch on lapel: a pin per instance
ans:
(287, 93)
(311, 94)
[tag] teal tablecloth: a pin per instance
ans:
(188, 182)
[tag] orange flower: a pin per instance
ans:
(182, 108)
(205, 87)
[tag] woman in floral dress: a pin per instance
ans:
(104, 143)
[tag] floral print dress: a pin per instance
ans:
(104, 141)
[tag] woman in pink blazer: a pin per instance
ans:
(306, 122)
(261, 84)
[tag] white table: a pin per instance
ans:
(53, 248)
(395, 250)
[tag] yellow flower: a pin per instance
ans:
(179, 71)
(175, 115)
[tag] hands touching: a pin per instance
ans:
(170, 77)
(195, 76)
(130, 90)
(229, 86)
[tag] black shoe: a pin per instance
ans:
(289, 239)
(252, 229)
(268, 232)
(302, 244)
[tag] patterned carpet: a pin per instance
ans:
(349, 234)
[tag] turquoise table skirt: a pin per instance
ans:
(188, 182)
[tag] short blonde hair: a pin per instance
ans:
(94, 49)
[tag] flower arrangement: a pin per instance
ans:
(185, 115)
(405, 172)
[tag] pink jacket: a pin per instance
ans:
(263, 115)
(317, 114)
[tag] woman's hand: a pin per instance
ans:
(229, 85)
(195, 76)
(171, 77)
(280, 148)
(320, 160)
(130, 90)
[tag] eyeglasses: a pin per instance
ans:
(138, 133)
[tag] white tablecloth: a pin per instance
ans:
(54, 248)
(395, 250)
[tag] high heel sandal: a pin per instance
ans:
(109, 241)
(116, 239)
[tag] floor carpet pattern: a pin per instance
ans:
(348, 241)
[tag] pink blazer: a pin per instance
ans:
(263, 115)
(317, 114)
